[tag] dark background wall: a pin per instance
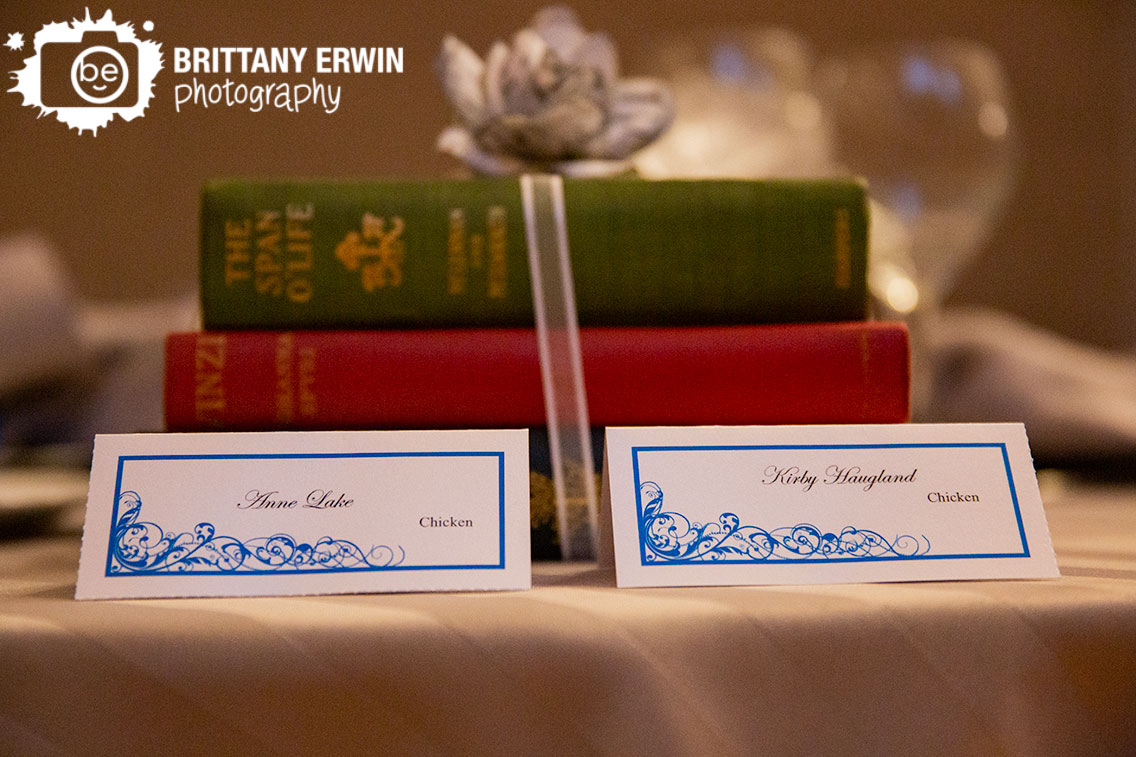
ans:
(122, 207)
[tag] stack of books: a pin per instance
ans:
(407, 304)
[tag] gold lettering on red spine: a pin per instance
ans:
(308, 405)
(208, 384)
(284, 379)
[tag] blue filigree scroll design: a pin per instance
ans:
(671, 537)
(139, 546)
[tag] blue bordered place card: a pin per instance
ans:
(280, 513)
(753, 505)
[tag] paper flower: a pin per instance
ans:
(551, 101)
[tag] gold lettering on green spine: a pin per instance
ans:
(843, 248)
(237, 257)
(298, 249)
(388, 254)
(457, 268)
(283, 262)
(476, 251)
(496, 224)
(266, 265)
(377, 252)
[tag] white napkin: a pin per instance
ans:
(39, 315)
(1077, 402)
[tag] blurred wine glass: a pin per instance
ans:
(929, 125)
(745, 107)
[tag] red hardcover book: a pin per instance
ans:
(856, 372)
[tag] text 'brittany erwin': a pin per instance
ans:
(287, 60)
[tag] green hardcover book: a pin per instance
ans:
(452, 253)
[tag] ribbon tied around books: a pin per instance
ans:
(561, 367)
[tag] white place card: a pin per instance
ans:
(699, 506)
(257, 514)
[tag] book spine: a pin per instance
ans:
(544, 528)
(451, 253)
(803, 373)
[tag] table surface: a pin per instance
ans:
(577, 666)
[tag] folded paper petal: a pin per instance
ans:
(462, 73)
(547, 100)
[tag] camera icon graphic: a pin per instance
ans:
(97, 71)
